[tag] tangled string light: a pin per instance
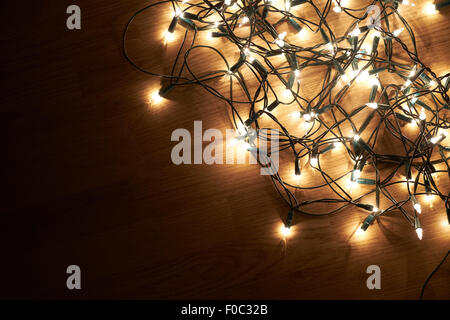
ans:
(405, 100)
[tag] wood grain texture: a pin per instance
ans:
(88, 180)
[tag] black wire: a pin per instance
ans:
(431, 274)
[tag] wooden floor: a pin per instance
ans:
(87, 180)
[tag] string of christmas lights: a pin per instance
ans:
(406, 102)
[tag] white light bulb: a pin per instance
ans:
(345, 78)
(353, 73)
(418, 207)
(302, 33)
(360, 231)
(377, 33)
(314, 161)
(288, 5)
(372, 105)
(407, 84)
(356, 32)
(397, 32)
(245, 20)
(285, 231)
(422, 115)
(245, 146)
(241, 129)
(279, 41)
(438, 138)
(227, 2)
(296, 114)
(373, 81)
(337, 9)
(419, 232)
(297, 73)
(356, 137)
(178, 12)
(363, 76)
(432, 83)
(356, 174)
(156, 98)
(169, 36)
(330, 47)
(307, 117)
(430, 8)
(375, 209)
(286, 93)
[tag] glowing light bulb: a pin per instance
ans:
(375, 209)
(363, 76)
(227, 2)
(285, 231)
(169, 37)
(412, 72)
(405, 2)
(422, 115)
(353, 184)
(279, 41)
(241, 129)
(245, 20)
(418, 207)
(438, 138)
(377, 33)
(407, 84)
(360, 231)
(288, 5)
(337, 9)
(250, 59)
(286, 93)
(297, 73)
(314, 161)
(296, 114)
(178, 12)
(156, 98)
(353, 73)
(397, 32)
(329, 47)
(345, 78)
(373, 81)
(419, 232)
(302, 33)
(356, 137)
(356, 32)
(372, 105)
(307, 117)
(429, 197)
(430, 8)
(246, 51)
(356, 174)
(432, 83)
